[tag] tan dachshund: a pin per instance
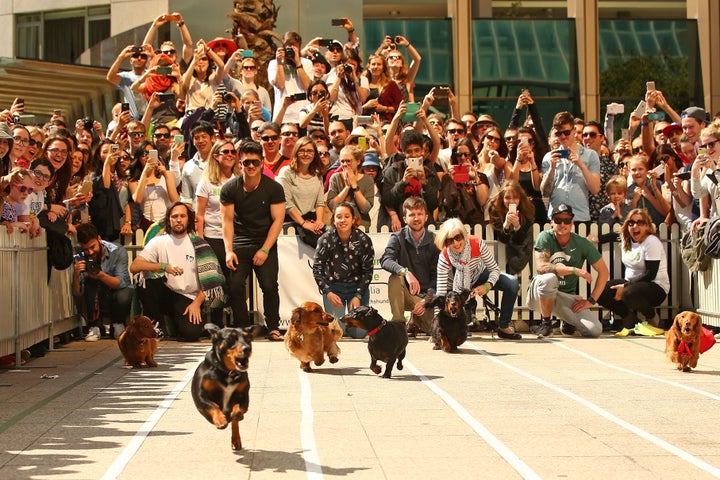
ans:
(312, 334)
(682, 345)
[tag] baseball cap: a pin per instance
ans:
(671, 128)
(317, 57)
(695, 112)
(563, 208)
(335, 44)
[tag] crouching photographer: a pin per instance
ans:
(102, 281)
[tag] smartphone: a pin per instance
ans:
(247, 53)
(683, 175)
(615, 108)
(86, 187)
(362, 143)
(525, 91)
(461, 174)
(441, 96)
(414, 162)
(640, 109)
(397, 39)
(659, 170)
(650, 86)
(625, 134)
(564, 153)
(166, 97)
(258, 103)
(365, 120)
(164, 70)
(115, 147)
(656, 116)
(325, 42)
(57, 112)
(702, 151)
(19, 101)
(124, 107)
(298, 96)
(153, 157)
(179, 139)
(512, 207)
(409, 115)
(26, 118)
(337, 22)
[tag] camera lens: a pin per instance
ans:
(91, 266)
(289, 52)
(227, 98)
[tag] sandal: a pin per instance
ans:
(275, 336)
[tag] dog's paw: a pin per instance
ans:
(305, 367)
(376, 369)
(333, 359)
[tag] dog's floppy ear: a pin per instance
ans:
(295, 318)
(435, 301)
(213, 329)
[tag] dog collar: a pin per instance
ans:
(376, 329)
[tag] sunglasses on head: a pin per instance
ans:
(639, 223)
(251, 162)
(564, 133)
(709, 144)
(457, 238)
(269, 138)
(563, 220)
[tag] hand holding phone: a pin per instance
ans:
(512, 208)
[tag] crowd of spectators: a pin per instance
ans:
(338, 130)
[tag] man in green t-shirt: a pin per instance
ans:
(560, 255)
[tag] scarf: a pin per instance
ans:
(210, 276)
(460, 262)
(413, 188)
(157, 83)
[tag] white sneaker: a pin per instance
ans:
(118, 328)
(93, 334)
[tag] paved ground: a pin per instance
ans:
(559, 408)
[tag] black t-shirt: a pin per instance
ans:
(252, 209)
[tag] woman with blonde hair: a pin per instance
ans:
(646, 283)
(304, 193)
(401, 74)
(467, 263)
(512, 215)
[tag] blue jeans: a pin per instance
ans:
(509, 287)
(346, 292)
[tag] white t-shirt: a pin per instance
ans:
(649, 249)
(33, 204)
(292, 85)
(178, 252)
(213, 217)
(342, 106)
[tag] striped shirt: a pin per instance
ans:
(478, 264)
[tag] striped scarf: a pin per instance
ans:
(210, 276)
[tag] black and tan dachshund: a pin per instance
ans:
(387, 340)
(449, 328)
(220, 386)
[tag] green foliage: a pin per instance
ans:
(626, 79)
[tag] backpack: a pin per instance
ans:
(692, 250)
(712, 237)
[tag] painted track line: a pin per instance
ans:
(521, 467)
(637, 374)
(307, 434)
(131, 449)
(712, 470)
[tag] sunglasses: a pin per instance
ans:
(637, 150)
(249, 67)
(136, 134)
(564, 133)
(664, 158)
(41, 175)
(139, 55)
(269, 138)
(251, 162)
(324, 154)
(709, 144)
(394, 57)
(563, 220)
(658, 131)
(455, 131)
(33, 143)
(335, 49)
(589, 134)
(23, 188)
(493, 138)
(125, 158)
(255, 129)
(457, 238)
(161, 135)
(463, 154)
(227, 152)
(289, 134)
(168, 52)
(510, 138)
(639, 223)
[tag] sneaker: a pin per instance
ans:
(545, 329)
(567, 329)
(93, 334)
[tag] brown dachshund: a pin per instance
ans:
(312, 334)
(138, 343)
(682, 345)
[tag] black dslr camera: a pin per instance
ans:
(289, 53)
(92, 266)
(348, 68)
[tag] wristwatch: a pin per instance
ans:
(591, 300)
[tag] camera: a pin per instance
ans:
(137, 50)
(289, 53)
(92, 266)
(228, 98)
(88, 124)
(347, 68)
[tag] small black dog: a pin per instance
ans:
(220, 386)
(387, 342)
(449, 329)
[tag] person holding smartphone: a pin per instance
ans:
(704, 178)
(511, 217)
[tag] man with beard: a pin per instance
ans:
(100, 277)
(411, 257)
(162, 138)
(186, 274)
